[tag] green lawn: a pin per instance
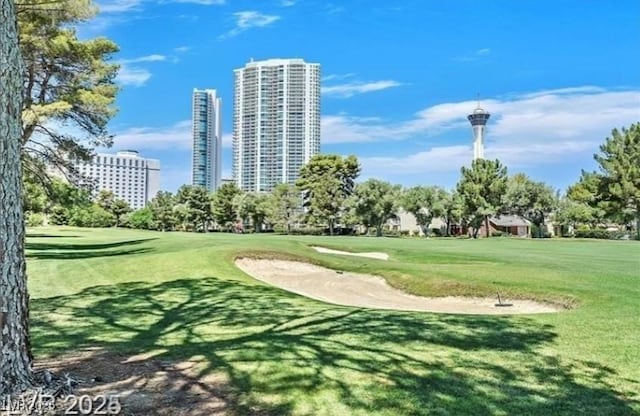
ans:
(179, 296)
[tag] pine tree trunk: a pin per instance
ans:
(15, 352)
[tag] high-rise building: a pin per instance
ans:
(276, 122)
(207, 139)
(126, 174)
(478, 120)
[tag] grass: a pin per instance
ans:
(178, 296)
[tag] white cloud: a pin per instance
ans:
(530, 129)
(119, 6)
(438, 159)
(288, 3)
(136, 77)
(352, 88)
(337, 77)
(449, 159)
(482, 52)
(343, 128)
(175, 136)
(249, 19)
(578, 113)
(147, 58)
(182, 49)
(202, 2)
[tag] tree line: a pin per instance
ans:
(327, 198)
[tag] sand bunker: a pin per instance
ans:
(360, 290)
(372, 255)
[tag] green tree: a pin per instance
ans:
(142, 219)
(326, 182)
(197, 201)
(286, 204)
(571, 213)
(586, 193)
(119, 208)
(482, 187)
(374, 202)
(15, 365)
(425, 203)
(224, 211)
(529, 199)
(162, 206)
(91, 216)
(619, 160)
(106, 199)
(69, 87)
(453, 210)
(253, 206)
(35, 197)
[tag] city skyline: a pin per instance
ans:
(398, 80)
(276, 121)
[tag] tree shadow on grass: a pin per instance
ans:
(62, 251)
(40, 235)
(282, 354)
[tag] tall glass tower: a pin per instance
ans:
(207, 139)
(276, 122)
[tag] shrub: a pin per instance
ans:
(141, 219)
(595, 233)
(34, 219)
(307, 231)
(59, 216)
(92, 216)
(497, 234)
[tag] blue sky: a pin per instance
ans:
(399, 77)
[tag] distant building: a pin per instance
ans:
(126, 174)
(207, 139)
(509, 225)
(276, 122)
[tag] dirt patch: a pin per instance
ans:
(371, 255)
(367, 291)
(145, 385)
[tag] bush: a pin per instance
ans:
(59, 216)
(436, 232)
(595, 233)
(405, 233)
(307, 231)
(141, 219)
(497, 234)
(34, 219)
(92, 216)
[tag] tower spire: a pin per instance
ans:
(478, 120)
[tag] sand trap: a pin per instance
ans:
(372, 255)
(360, 290)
